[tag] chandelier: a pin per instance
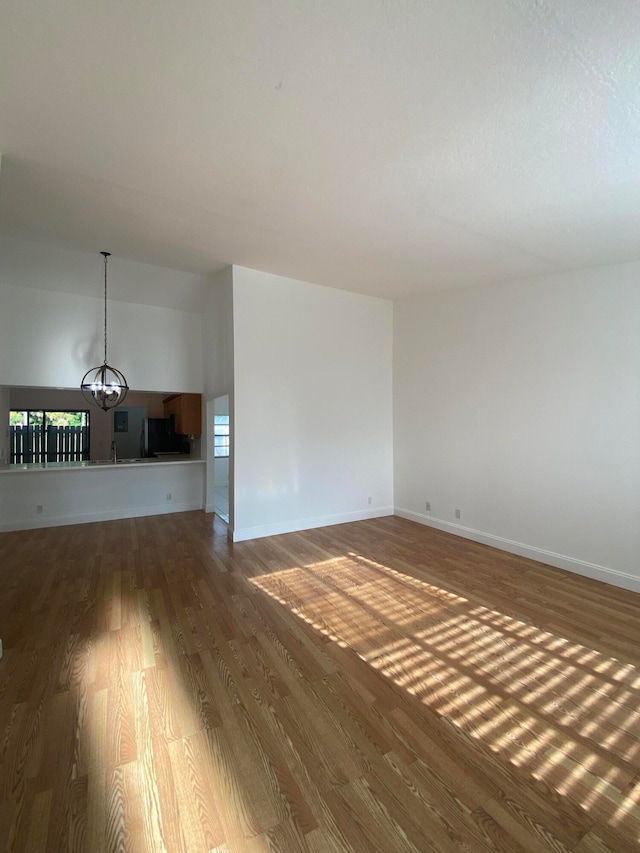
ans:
(104, 386)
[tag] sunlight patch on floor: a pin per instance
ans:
(145, 718)
(483, 669)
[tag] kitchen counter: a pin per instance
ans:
(22, 467)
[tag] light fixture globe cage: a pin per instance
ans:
(104, 387)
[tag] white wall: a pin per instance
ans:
(51, 319)
(46, 266)
(313, 417)
(217, 319)
(5, 408)
(520, 406)
(52, 339)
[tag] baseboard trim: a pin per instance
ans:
(243, 534)
(559, 561)
(107, 515)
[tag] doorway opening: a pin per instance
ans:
(221, 447)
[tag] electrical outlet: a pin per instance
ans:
(369, 501)
(427, 506)
(168, 496)
(39, 508)
(457, 513)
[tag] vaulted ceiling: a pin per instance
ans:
(382, 146)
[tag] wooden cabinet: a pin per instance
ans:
(187, 412)
(171, 407)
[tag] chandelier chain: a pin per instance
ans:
(104, 386)
(106, 258)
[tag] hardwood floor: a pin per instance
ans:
(376, 686)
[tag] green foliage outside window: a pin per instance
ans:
(59, 419)
(73, 419)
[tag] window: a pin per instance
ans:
(221, 435)
(36, 435)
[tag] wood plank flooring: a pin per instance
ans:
(376, 686)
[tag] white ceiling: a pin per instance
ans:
(382, 146)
